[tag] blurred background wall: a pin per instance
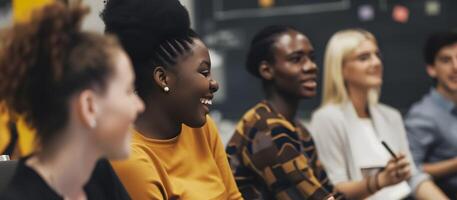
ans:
(227, 26)
(400, 26)
(5, 12)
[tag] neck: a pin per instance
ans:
(68, 166)
(157, 123)
(451, 96)
(284, 104)
(359, 98)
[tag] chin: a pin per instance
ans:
(119, 155)
(308, 94)
(196, 123)
(453, 89)
(373, 84)
(120, 151)
(376, 82)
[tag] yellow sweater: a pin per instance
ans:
(192, 165)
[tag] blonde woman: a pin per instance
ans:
(350, 124)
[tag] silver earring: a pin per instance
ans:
(166, 89)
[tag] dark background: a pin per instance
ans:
(405, 80)
(5, 12)
(4, 4)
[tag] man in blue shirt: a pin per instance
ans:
(432, 122)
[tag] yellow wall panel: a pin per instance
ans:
(22, 9)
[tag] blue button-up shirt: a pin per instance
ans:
(432, 132)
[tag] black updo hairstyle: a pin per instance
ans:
(153, 33)
(262, 45)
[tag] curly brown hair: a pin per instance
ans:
(47, 60)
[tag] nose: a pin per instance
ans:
(454, 63)
(310, 67)
(139, 103)
(213, 85)
(376, 61)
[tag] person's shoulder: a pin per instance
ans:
(260, 116)
(15, 190)
(141, 156)
(329, 112)
(12, 194)
(328, 122)
(142, 164)
(25, 184)
(259, 122)
(423, 108)
(139, 146)
(103, 170)
(330, 108)
(104, 179)
(141, 172)
(260, 111)
(103, 163)
(387, 110)
(139, 153)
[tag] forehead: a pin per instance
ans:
(292, 41)
(448, 50)
(365, 46)
(122, 65)
(198, 53)
(199, 47)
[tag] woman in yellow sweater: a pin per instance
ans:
(176, 149)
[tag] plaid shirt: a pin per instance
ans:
(272, 158)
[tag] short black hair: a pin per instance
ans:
(152, 32)
(261, 48)
(436, 42)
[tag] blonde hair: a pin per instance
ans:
(341, 45)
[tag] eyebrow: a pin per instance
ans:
(444, 56)
(206, 62)
(368, 52)
(310, 52)
(363, 53)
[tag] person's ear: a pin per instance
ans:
(87, 108)
(162, 78)
(431, 71)
(266, 71)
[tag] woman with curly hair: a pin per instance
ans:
(76, 89)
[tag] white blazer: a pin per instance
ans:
(336, 130)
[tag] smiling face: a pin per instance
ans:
(191, 86)
(294, 71)
(444, 70)
(363, 68)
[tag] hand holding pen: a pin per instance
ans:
(397, 169)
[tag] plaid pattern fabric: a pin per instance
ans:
(272, 158)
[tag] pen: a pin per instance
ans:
(388, 149)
